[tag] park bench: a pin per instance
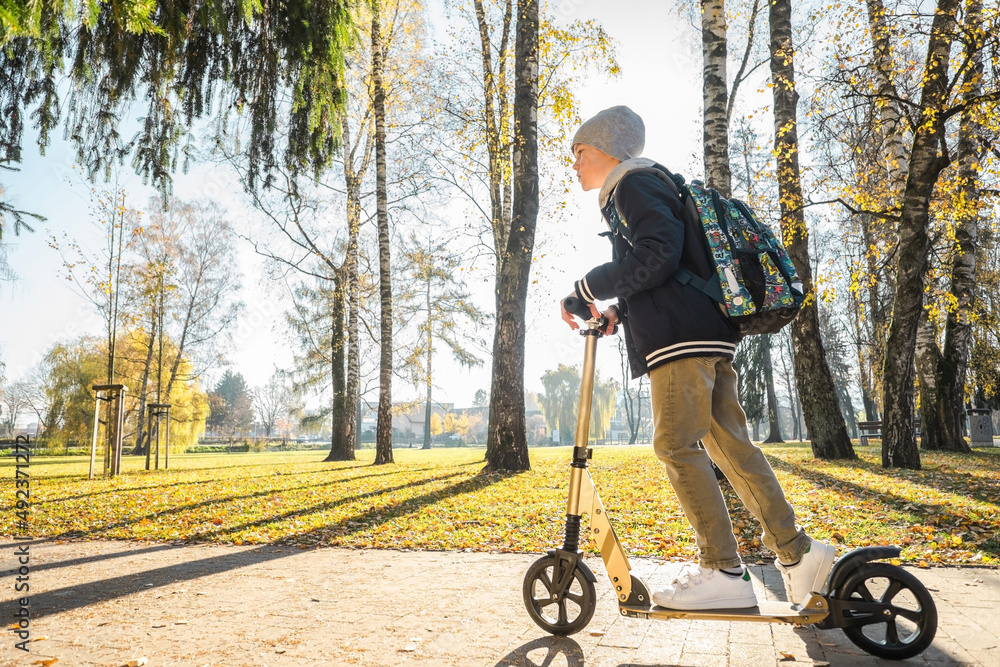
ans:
(873, 429)
(869, 430)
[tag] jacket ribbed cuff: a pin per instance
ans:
(583, 291)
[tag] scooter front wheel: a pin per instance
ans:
(558, 613)
(906, 627)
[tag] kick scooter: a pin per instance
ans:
(882, 608)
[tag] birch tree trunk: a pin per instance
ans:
(495, 106)
(341, 447)
(891, 116)
(877, 316)
(383, 436)
(344, 422)
(716, 96)
(352, 390)
(954, 359)
(891, 127)
(140, 430)
(430, 358)
(899, 447)
(774, 423)
(816, 389)
(927, 357)
(353, 176)
(716, 104)
(507, 447)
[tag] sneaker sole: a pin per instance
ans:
(725, 603)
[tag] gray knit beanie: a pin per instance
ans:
(617, 131)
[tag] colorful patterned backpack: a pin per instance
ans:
(756, 283)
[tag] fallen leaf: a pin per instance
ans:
(181, 622)
(787, 656)
(281, 650)
(46, 663)
(162, 625)
(40, 639)
(597, 633)
(922, 564)
(858, 502)
(138, 662)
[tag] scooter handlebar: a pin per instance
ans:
(577, 307)
(582, 310)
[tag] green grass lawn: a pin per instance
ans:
(439, 499)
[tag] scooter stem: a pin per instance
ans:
(583, 415)
(586, 390)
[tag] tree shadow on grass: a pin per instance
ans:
(381, 514)
(897, 502)
(83, 476)
(216, 479)
(947, 481)
(98, 532)
(373, 516)
(84, 595)
(161, 547)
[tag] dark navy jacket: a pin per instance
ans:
(663, 319)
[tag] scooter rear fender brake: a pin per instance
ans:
(850, 563)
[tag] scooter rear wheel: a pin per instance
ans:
(910, 627)
(565, 614)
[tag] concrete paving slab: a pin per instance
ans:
(106, 603)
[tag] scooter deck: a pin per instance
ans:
(765, 612)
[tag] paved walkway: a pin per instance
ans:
(108, 603)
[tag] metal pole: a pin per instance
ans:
(113, 430)
(119, 430)
(157, 441)
(586, 393)
(583, 420)
(166, 452)
(108, 422)
(149, 430)
(93, 441)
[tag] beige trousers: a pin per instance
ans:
(697, 399)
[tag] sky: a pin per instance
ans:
(659, 54)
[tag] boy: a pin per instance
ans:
(683, 340)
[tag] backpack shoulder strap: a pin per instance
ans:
(710, 287)
(675, 182)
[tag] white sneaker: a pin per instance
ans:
(810, 573)
(697, 587)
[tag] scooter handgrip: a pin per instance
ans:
(577, 307)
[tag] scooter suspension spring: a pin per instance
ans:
(572, 540)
